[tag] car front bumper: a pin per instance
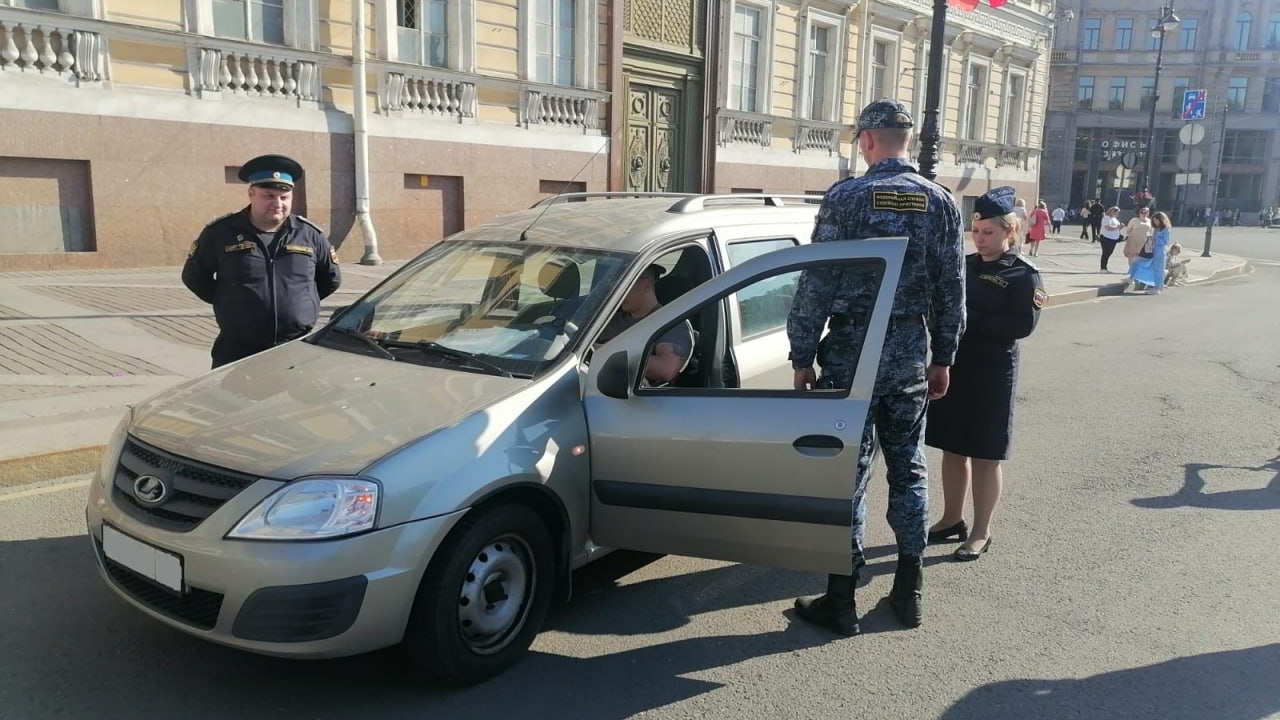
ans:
(309, 599)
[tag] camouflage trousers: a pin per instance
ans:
(895, 419)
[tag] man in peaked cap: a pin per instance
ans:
(263, 269)
(925, 325)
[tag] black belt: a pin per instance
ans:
(839, 321)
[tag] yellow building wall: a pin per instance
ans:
(785, 81)
(166, 15)
(498, 38)
(148, 65)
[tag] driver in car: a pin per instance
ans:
(671, 353)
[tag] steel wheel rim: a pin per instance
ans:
(495, 595)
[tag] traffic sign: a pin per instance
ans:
(1129, 159)
(1191, 133)
(1187, 179)
(1193, 104)
(1190, 159)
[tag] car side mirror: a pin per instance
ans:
(614, 380)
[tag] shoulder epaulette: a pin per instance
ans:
(1023, 259)
(303, 219)
(220, 218)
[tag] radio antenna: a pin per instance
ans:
(524, 234)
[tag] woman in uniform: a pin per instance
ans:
(972, 424)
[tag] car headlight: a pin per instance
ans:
(312, 509)
(111, 453)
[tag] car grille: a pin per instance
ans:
(198, 608)
(195, 490)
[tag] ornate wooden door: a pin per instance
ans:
(654, 139)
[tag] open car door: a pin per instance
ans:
(762, 476)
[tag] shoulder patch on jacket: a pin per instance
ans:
(317, 227)
(219, 219)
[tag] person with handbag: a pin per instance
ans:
(1136, 234)
(1148, 267)
(1111, 229)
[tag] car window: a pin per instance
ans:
(763, 307)
(506, 306)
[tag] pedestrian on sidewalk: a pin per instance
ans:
(1084, 222)
(1096, 211)
(973, 423)
(264, 269)
(1038, 229)
(1175, 268)
(1059, 214)
(1020, 209)
(1136, 234)
(891, 199)
(1111, 229)
(1149, 268)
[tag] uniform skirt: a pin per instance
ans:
(975, 417)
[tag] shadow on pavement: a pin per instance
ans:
(1232, 685)
(77, 650)
(1192, 493)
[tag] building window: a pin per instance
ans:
(921, 89)
(1244, 27)
(254, 20)
(1180, 87)
(1273, 31)
(1014, 107)
(1187, 34)
(422, 28)
(1237, 93)
(1124, 33)
(554, 41)
(1092, 34)
(881, 52)
(1245, 146)
(35, 4)
(1148, 93)
(975, 101)
(1115, 96)
(1271, 95)
(1242, 189)
(821, 58)
(748, 34)
(1084, 93)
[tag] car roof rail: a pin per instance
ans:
(700, 202)
(577, 196)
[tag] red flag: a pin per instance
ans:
(970, 5)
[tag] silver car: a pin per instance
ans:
(429, 467)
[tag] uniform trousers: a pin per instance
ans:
(895, 419)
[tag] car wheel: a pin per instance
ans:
(484, 596)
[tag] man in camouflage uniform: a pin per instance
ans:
(891, 199)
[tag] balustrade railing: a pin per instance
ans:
(745, 128)
(256, 74)
(427, 93)
(48, 48)
(560, 107)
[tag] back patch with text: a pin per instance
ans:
(899, 201)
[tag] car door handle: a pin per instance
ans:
(818, 445)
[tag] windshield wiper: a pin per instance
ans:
(430, 346)
(368, 341)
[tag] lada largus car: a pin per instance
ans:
(429, 467)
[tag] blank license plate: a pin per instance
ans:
(153, 563)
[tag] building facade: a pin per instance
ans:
(1103, 90)
(126, 120)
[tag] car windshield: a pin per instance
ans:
(498, 307)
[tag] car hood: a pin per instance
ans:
(301, 409)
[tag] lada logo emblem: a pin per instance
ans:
(150, 490)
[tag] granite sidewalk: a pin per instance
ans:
(77, 347)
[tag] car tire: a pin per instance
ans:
(484, 596)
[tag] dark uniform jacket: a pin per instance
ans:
(1004, 299)
(262, 294)
(891, 199)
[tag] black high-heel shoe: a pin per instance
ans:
(964, 554)
(959, 531)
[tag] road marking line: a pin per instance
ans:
(5, 497)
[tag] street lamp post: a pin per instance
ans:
(1215, 186)
(1168, 23)
(930, 132)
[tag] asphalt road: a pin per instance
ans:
(1133, 575)
(1260, 246)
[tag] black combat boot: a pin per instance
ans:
(836, 609)
(908, 583)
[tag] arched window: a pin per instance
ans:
(1273, 31)
(1244, 24)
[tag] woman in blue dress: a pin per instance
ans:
(1149, 271)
